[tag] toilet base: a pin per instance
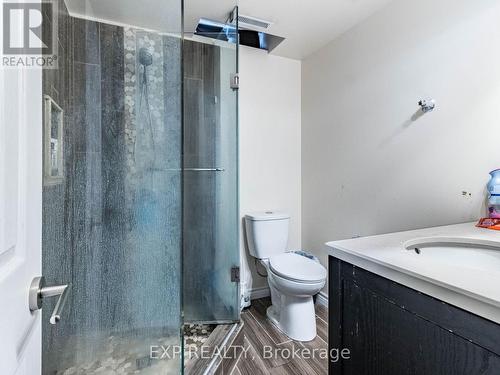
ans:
(294, 316)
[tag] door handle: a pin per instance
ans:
(38, 292)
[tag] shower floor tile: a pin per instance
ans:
(117, 355)
(195, 335)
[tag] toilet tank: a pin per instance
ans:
(266, 233)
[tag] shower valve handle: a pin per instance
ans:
(38, 292)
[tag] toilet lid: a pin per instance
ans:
(296, 267)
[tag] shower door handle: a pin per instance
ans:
(38, 292)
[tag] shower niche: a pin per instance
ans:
(53, 141)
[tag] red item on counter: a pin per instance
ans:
(489, 223)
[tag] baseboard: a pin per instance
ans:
(256, 293)
(322, 299)
(262, 292)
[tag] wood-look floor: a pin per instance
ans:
(260, 334)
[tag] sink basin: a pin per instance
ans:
(469, 242)
(461, 253)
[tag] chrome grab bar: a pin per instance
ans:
(204, 169)
(196, 169)
(38, 292)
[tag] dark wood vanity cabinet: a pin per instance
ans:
(391, 329)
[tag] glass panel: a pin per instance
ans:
(211, 231)
(112, 223)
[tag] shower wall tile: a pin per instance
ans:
(200, 130)
(85, 41)
(200, 106)
(57, 227)
(58, 90)
(193, 56)
(87, 107)
(87, 229)
(153, 196)
(114, 230)
(172, 87)
(48, 74)
(56, 260)
(172, 94)
(193, 100)
(87, 177)
(112, 95)
(112, 63)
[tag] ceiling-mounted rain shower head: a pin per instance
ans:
(145, 57)
(252, 31)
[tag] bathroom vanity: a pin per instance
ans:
(416, 302)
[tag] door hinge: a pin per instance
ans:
(235, 274)
(235, 81)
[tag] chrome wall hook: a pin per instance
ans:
(427, 105)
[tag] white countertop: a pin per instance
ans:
(465, 277)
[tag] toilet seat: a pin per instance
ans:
(297, 268)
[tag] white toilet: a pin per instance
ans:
(293, 279)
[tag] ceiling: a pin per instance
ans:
(140, 13)
(307, 25)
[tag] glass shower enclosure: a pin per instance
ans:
(140, 189)
(211, 258)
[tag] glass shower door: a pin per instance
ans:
(211, 218)
(112, 198)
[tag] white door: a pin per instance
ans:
(20, 217)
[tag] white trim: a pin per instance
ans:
(322, 299)
(261, 292)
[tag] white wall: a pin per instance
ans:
(369, 164)
(270, 118)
